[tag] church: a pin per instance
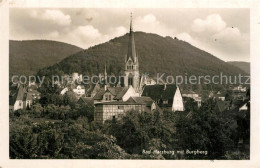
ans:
(131, 63)
(113, 101)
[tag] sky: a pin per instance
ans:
(223, 32)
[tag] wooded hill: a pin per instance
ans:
(156, 54)
(27, 57)
(245, 66)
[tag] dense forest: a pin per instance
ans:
(28, 56)
(156, 55)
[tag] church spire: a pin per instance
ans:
(131, 44)
(131, 62)
(131, 26)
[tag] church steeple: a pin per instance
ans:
(131, 62)
(131, 44)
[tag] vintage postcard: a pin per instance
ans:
(130, 85)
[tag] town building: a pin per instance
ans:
(219, 96)
(21, 97)
(88, 101)
(109, 94)
(117, 109)
(167, 96)
(240, 88)
(76, 77)
(79, 90)
(191, 94)
(223, 105)
(95, 90)
(245, 106)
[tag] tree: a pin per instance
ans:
(23, 144)
(36, 110)
(70, 99)
(190, 104)
(206, 130)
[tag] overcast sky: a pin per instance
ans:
(224, 33)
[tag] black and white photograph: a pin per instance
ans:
(129, 84)
(132, 83)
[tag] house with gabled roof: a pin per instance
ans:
(16, 98)
(117, 109)
(150, 104)
(245, 106)
(86, 101)
(167, 96)
(20, 99)
(95, 90)
(109, 94)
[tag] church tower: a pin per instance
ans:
(131, 63)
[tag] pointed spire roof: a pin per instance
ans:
(131, 44)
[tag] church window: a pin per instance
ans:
(130, 80)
